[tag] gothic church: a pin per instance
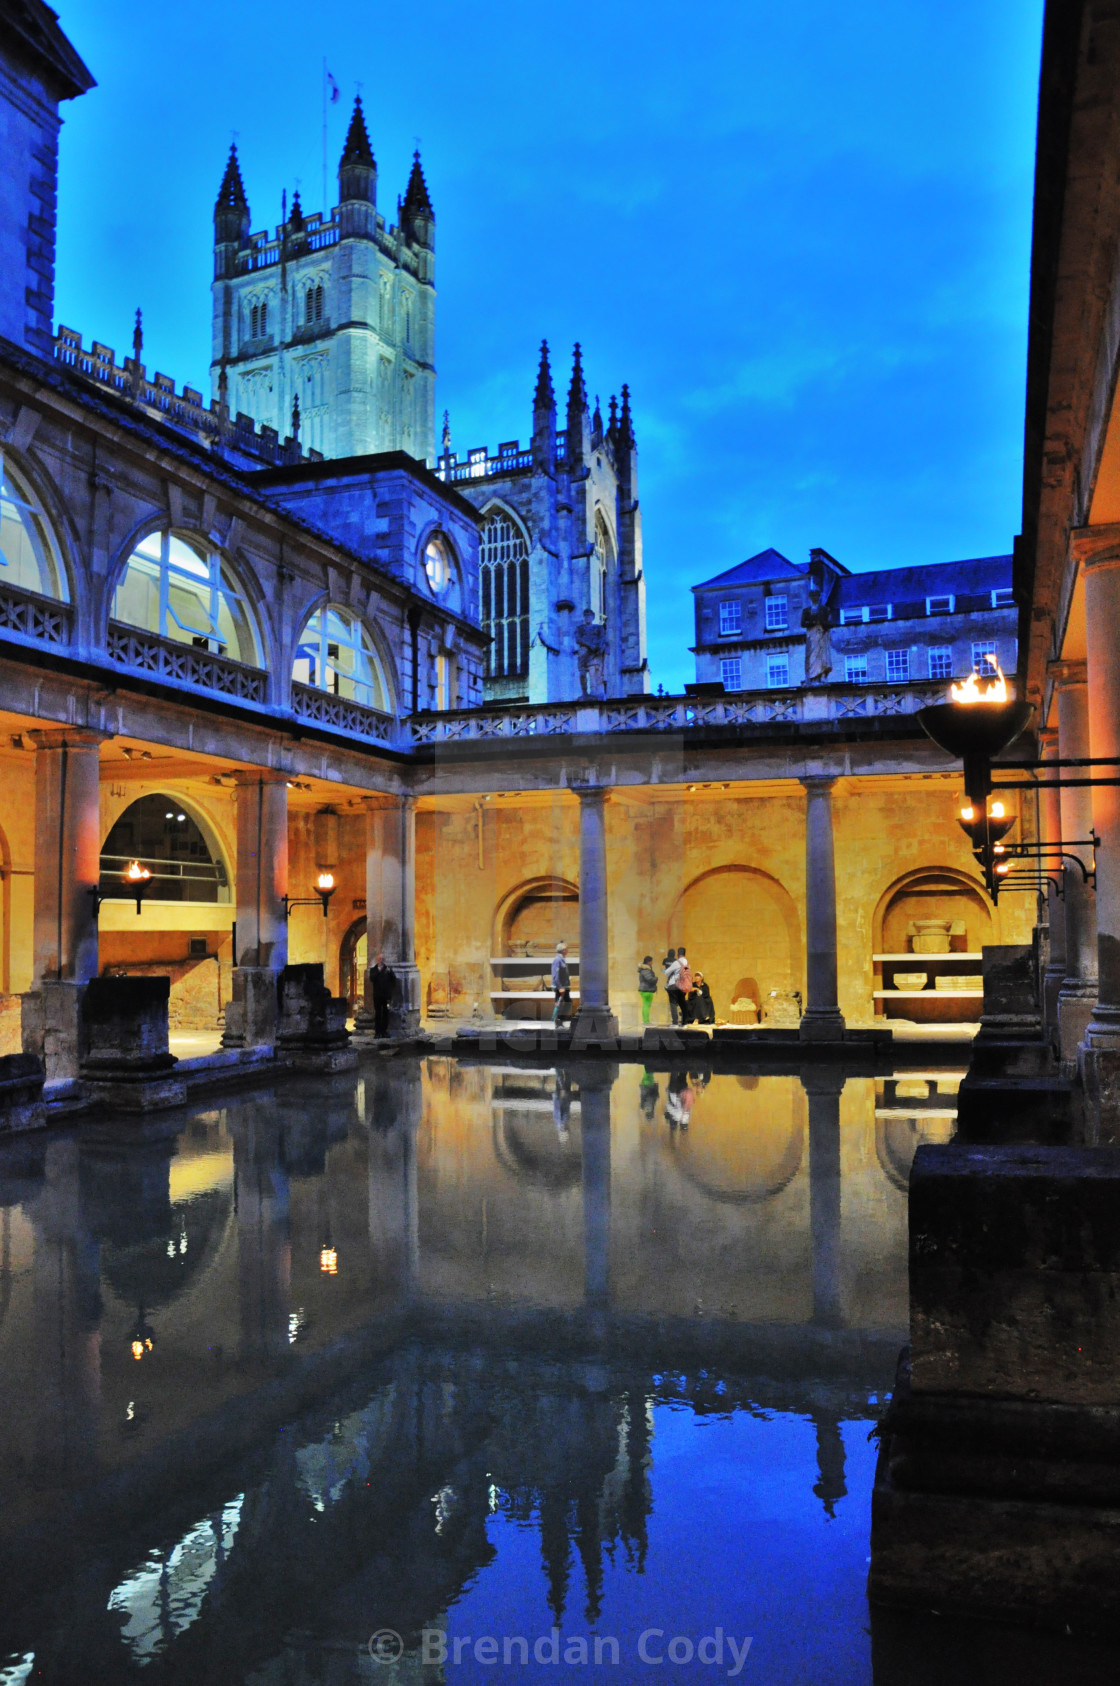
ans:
(324, 331)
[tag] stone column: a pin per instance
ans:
(595, 1082)
(823, 1087)
(391, 906)
(262, 930)
(264, 1243)
(822, 1020)
(594, 1021)
(1078, 994)
(1050, 814)
(1098, 549)
(67, 871)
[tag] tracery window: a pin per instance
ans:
(254, 321)
(313, 304)
(504, 566)
(600, 562)
(29, 557)
(264, 317)
(183, 590)
(336, 653)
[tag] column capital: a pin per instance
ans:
(818, 784)
(68, 737)
(388, 801)
(1064, 674)
(1096, 548)
(588, 790)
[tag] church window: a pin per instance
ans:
(731, 672)
(264, 318)
(777, 672)
(29, 557)
(730, 618)
(336, 653)
(777, 614)
(254, 322)
(898, 667)
(437, 564)
(600, 562)
(183, 590)
(408, 321)
(504, 569)
(941, 662)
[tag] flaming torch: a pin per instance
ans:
(979, 722)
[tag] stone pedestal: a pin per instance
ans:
(126, 1064)
(21, 1093)
(822, 1020)
(311, 1030)
(999, 1471)
(390, 912)
(1013, 1091)
(1078, 993)
(252, 1009)
(51, 1028)
(594, 1024)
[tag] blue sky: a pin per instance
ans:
(801, 233)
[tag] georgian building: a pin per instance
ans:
(890, 626)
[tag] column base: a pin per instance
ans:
(253, 1008)
(1099, 1070)
(52, 1029)
(594, 1027)
(822, 1024)
(1077, 1001)
(404, 1014)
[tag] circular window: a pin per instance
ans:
(437, 564)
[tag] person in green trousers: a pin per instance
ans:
(647, 986)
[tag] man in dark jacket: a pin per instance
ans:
(383, 988)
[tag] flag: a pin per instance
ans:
(333, 86)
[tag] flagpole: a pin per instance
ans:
(326, 207)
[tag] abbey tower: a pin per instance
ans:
(333, 313)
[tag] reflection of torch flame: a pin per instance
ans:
(992, 689)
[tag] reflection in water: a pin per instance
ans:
(478, 1349)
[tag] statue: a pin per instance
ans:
(591, 654)
(817, 621)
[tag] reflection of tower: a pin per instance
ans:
(830, 1485)
(595, 1137)
(824, 1086)
(264, 1250)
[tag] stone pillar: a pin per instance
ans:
(1051, 827)
(1078, 994)
(1099, 552)
(67, 871)
(822, 1020)
(264, 1245)
(262, 930)
(391, 906)
(594, 1021)
(823, 1087)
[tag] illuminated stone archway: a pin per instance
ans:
(737, 923)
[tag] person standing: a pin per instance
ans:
(383, 987)
(683, 987)
(561, 983)
(671, 966)
(647, 986)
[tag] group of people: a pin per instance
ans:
(690, 999)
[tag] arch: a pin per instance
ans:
(503, 561)
(742, 1146)
(164, 834)
(336, 651)
(535, 915)
(30, 555)
(528, 1146)
(898, 1139)
(353, 958)
(738, 922)
(935, 892)
(177, 585)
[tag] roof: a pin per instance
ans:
(974, 576)
(361, 468)
(31, 29)
(767, 565)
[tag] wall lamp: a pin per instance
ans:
(324, 890)
(135, 879)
